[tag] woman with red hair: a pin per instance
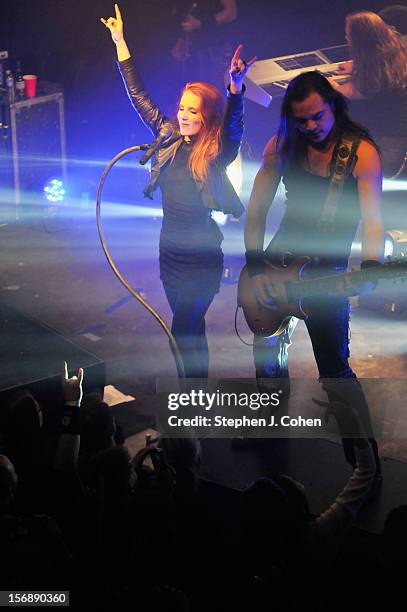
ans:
(190, 168)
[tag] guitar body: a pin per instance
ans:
(289, 288)
(273, 321)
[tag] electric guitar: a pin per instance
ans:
(289, 288)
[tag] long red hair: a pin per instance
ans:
(207, 144)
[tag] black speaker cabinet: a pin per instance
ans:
(32, 357)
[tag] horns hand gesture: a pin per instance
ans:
(115, 25)
(238, 68)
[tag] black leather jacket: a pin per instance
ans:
(217, 190)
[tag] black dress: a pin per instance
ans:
(191, 260)
(190, 240)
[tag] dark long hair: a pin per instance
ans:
(291, 143)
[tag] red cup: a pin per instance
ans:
(30, 82)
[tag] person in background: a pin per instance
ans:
(207, 31)
(284, 543)
(395, 16)
(377, 88)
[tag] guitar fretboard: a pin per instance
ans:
(346, 283)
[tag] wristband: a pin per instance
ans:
(369, 263)
(238, 93)
(255, 262)
(71, 419)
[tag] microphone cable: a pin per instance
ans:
(173, 344)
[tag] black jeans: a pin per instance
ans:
(189, 305)
(328, 328)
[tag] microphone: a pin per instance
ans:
(165, 134)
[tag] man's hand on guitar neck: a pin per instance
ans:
(351, 285)
(264, 291)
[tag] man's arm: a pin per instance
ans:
(348, 89)
(368, 172)
(262, 195)
(261, 198)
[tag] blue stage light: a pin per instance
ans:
(395, 243)
(54, 190)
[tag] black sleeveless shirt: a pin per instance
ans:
(299, 232)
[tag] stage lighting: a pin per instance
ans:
(54, 190)
(394, 185)
(235, 174)
(219, 217)
(395, 243)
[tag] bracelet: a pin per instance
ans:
(238, 93)
(255, 262)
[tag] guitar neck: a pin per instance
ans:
(337, 284)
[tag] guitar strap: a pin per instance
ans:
(342, 164)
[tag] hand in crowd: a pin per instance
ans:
(72, 387)
(164, 472)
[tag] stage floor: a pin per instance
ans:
(52, 269)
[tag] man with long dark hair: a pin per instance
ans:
(314, 134)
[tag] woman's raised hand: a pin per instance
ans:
(238, 69)
(115, 25)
